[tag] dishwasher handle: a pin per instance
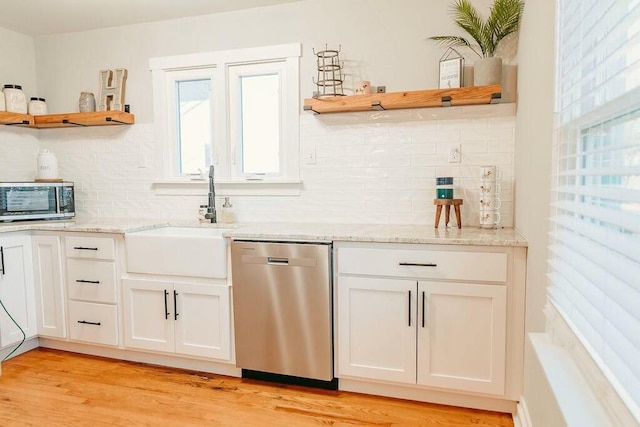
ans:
(277, 261)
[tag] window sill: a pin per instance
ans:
(228, 188)
(582, 392)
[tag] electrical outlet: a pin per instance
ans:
(454, 153)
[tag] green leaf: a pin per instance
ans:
(504, 19)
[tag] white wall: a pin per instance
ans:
(533, 149)
(367, 170)
(383, 41)
(18, 147)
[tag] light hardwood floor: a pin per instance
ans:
(53, 388)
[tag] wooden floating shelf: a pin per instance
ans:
(16, 119)
(97, 118)
(475, 95)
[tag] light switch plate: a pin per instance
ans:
(310, 156)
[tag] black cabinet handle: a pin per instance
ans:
(84, 322)
(175, 305)
(423, 309)
(2, 259)
(95, 282)
(166, 311)
(417, 264)
(409, 308)
(82, 248)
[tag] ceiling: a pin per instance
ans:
(44, 17)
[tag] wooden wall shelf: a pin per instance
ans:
(98, 118)
(15, 119)
(475, 95)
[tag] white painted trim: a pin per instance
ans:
(201, 365)
(29, 344)
(163, 69)
(521, 417)
(228, 188)
(607, 398)
(262, 53)
(427, 395)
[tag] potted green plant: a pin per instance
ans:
(504, 19)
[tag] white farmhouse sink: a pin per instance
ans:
(178, 251)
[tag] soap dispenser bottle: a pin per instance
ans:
(227, 212)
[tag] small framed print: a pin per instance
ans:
(451, 72)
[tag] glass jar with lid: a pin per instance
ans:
(15, 99)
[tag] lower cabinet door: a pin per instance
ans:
(376, 328)
(93, 323)
(461, 336)
(47, 260)
(203, 322)
(148, 314)
(16, 290)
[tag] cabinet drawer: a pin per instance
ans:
(90, 247)
(425, 264)
(91, 280)
(94, 323)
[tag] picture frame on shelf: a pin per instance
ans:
(451, 70)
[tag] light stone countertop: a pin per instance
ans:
(382, 233)
(378, 233)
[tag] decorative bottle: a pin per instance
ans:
(228, 216)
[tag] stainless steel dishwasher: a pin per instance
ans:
(282, 311)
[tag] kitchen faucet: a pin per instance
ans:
(211, 206)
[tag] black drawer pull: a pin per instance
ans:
(95, 282)
(2, 260)
(82, 248)
(84, 322)
(417, 264)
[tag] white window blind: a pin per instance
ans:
(594, 257)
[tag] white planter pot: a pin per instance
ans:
(487, 71)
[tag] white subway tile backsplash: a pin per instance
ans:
(370, 167)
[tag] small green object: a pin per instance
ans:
(444, 193)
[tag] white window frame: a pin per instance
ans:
(222, 65)
(172, 77)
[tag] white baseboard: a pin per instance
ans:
(521, 417)
(425, 395)
(201, 365)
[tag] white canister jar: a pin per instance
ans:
(2, 104)
(37, 106)
(15, 99)
(47, 165)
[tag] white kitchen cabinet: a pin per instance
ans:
(177, 317)
(16, 289)
(413, 314)
(375, 337)
(49, 286)
(461, 336)
(92, 288)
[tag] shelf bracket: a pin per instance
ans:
(377, 106)
(309, 109)
(111, 119)
(22, 123)
(67, 122)
(446, 101)
(495, 98)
